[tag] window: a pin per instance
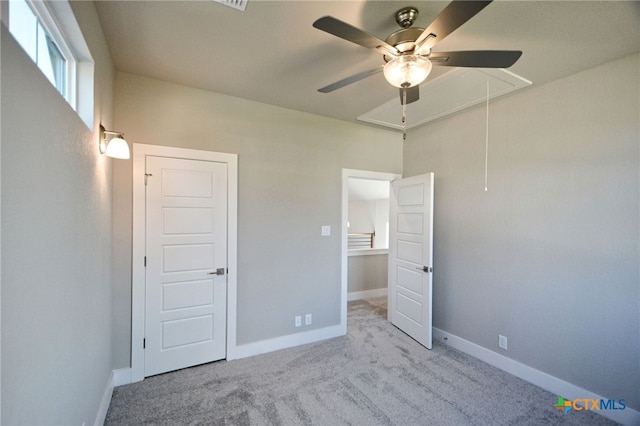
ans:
(50, 35)
(34, 38)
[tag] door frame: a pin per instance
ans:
(346, 174)
(140, 152)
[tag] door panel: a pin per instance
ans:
(410, 223)
(410, 279)
(185, 300)
(410, 256)
(187, 294)
(409, 308)
(411, 195)
(187, 331)
(182, 258)
(186, 183)
(187, 220)
(410, 251)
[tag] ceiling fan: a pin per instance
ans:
(407, 52)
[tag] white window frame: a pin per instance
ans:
(48, 20)
(58, 21)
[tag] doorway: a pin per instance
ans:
(367, 245)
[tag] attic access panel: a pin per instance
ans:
(449, 93)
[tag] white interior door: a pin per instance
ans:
(186, 261)
(411, 256)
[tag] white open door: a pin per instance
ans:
(186, 261)
(411, 256)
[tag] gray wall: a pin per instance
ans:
(290, 180)
(56, 248)
(367, 272)
(549, 256)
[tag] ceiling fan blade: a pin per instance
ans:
(450, 19)
(413, 94)
(349, 80)
(476, 58)
(355, 35)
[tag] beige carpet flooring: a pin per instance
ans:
(375, 375)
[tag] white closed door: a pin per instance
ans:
(411, 256)
(186, 260)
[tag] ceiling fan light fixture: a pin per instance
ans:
(407, 70)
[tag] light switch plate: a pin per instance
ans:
(326, 231)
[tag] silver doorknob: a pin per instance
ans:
(219, 271)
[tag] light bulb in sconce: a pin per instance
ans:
(407, 71)
(116, 147)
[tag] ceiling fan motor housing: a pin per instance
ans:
(403, 40)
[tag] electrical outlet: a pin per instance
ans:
(502, 341)
(298, 320)
(307, 319)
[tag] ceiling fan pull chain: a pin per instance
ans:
(404, 105)
(404, 113)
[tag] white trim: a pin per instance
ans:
(539, 378)
(285, 342)
(140, 152)
(367, 294)
(367, 252)
(81, 78)
(346, 174)
(122, 376)
(119, 377)
(105, 401)
(232, 255)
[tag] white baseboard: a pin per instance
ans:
(366, 294)
(117, 377)
(284, 342)
(104, 402)
(122, 376)
(539, 378)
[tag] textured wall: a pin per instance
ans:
(549, 256)
(367, 272)
(56, 242)
(290, 179)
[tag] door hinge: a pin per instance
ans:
(146, 176)
(144, 343)
(145, 261)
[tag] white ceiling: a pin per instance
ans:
(361, 189)
(270, 53)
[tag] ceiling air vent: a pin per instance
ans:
(236, 4)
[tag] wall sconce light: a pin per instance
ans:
(117, 147)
